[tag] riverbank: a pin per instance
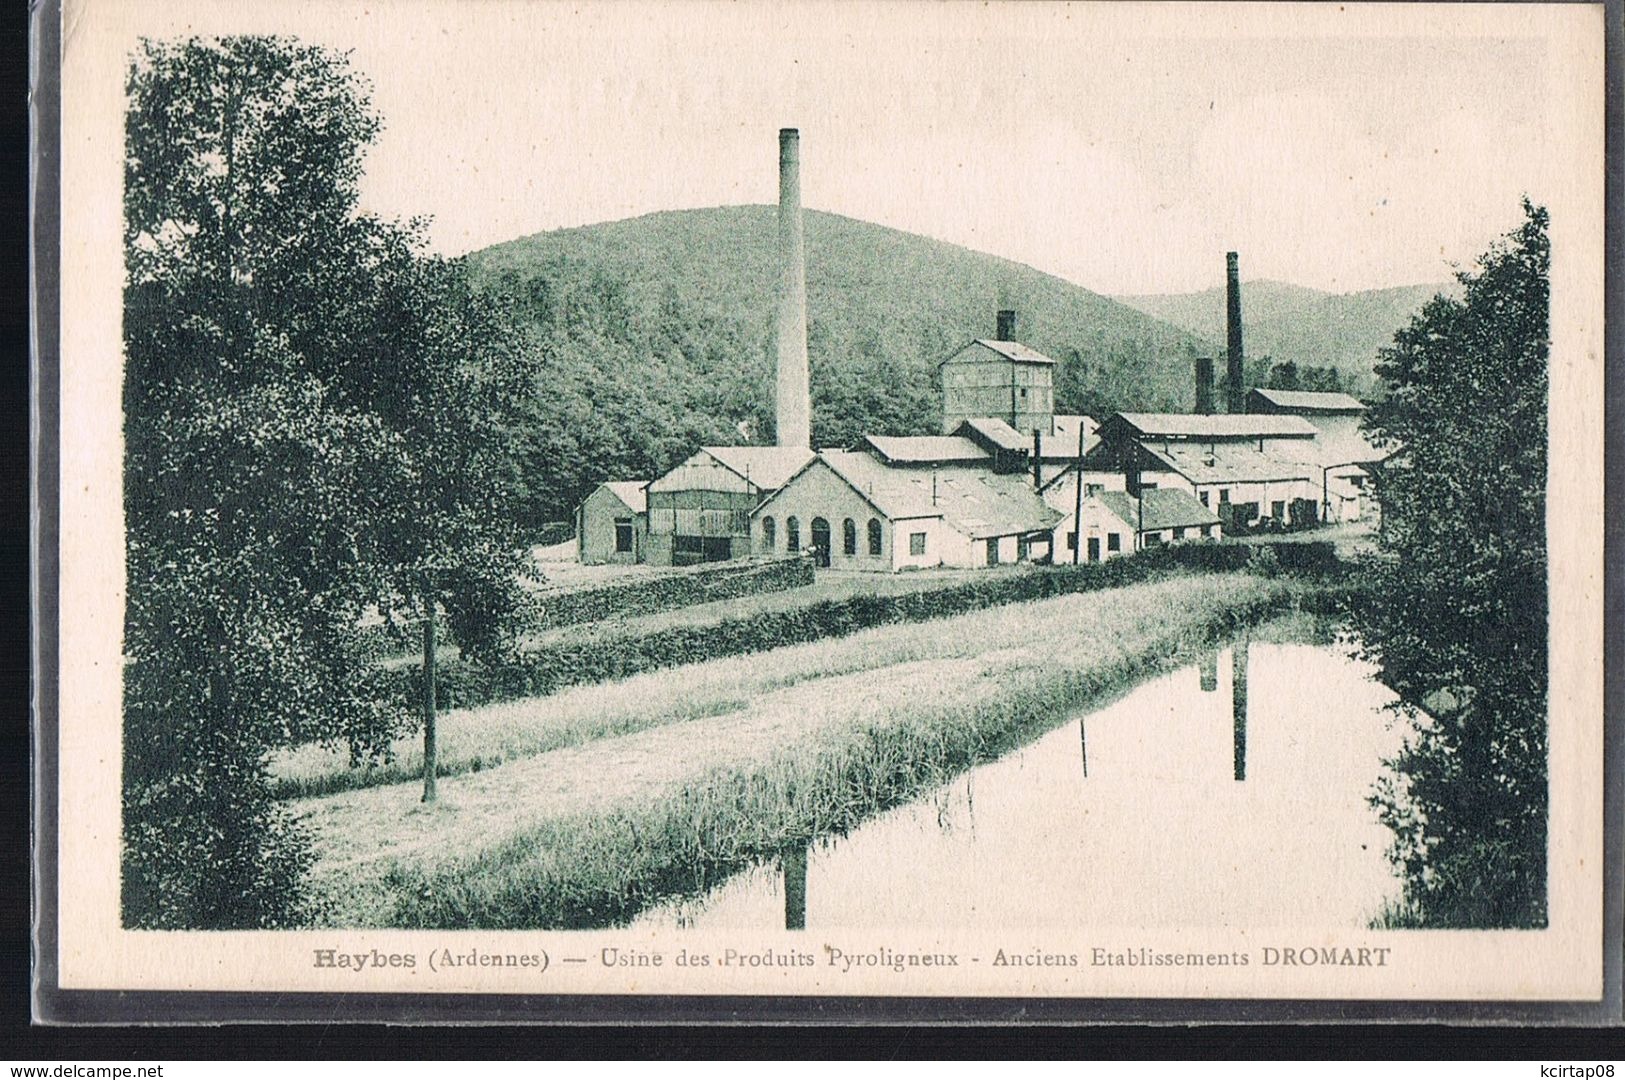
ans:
(591, 832)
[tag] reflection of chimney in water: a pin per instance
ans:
(794, 863)
(1209, 666)
(1238, 704)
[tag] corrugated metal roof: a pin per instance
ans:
(976, 502)
(631, 493)
(767, 467)
(924, 449)
(998, 433)
(1217, 425)
(1163, 508)
(1227, 463)
(1311, 400)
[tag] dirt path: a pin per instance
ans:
(358, 833)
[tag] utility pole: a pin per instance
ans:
(431, 763)
(1077, 506)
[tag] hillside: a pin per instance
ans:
(659, 333)
(1306, 326)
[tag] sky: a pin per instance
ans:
(1122, 147)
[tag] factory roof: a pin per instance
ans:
(767, 467)
(1215, 426)
(975, 501)
(629, 492)
(1307, 401)
(996, 431)
(1227, 463)
(1162, 508)
(1013, 351)
(923, 449)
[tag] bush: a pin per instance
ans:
(680, 588)
(560, 664)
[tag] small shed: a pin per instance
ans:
(612, 523)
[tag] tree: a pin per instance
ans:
(285, 356)
(1455, 614)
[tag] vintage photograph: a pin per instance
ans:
(970, 478)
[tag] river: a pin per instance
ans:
(1232, 792)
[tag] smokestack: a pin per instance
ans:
(1204, 385)
(1232, 310)
(1007, 326)
(793, 418)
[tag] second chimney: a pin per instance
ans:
(793, 415)
(1204, 385)
(1007, 326)
(1232, 318)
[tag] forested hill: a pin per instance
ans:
(659, 337)
(1308, 327)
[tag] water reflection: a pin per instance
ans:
(1238, 705)
(1159, 835)
(794, 864)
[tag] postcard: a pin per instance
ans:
(1081, 502)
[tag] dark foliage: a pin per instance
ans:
(1455, 615)
(304, 424)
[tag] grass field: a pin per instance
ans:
(611, 797)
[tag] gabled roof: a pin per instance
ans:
(1214, 426)
(767, 467)
(975, 501)
(1014, 351)
(1308, 400)
(629, 492)
(1162, 508)
(992, 430)
(1226, 463)
(923, 449)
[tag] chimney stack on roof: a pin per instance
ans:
(1232, 312)
(793, 415)
(1204, 385)
(1007, 326)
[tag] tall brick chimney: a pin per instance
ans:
(1007, 326)
(793, 406)
(1232, 316)
(1204, 385)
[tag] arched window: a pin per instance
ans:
(792, 533)
(769, 533)
(874, 536)
(849, 537)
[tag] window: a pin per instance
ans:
(1278, 510)
(623, 534)
(1204, 497)
(1072, 541)
(993, 551)
(1148, 485)
(1179, 533)
(1114, 541)
(1207, 530)
(1224, 496)
(849, 537)
(1153, 539)
(770, 533)
(1094, 549)
(1093, 489)
(792, 533)
(1021, 549)
(916, 543)
(874, 536)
